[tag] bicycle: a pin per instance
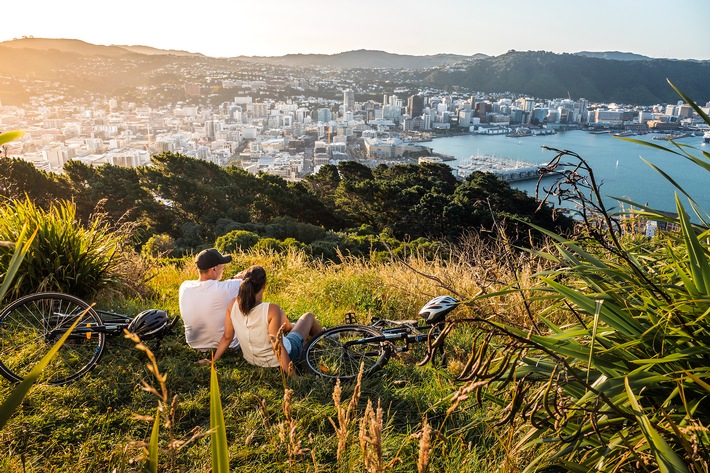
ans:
(338, 352)
(31, 325)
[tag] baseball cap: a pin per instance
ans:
(210, 258)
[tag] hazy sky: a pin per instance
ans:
(225, 28)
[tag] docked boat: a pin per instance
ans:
(706, 137)
(673, 136)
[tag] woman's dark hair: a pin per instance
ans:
(254, 280)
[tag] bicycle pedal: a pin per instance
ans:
(350, 318)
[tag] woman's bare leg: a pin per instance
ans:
(307, 326)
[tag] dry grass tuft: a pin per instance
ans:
(288, 432)
(371, 438)
(342, 429)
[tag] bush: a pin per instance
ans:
(65, 256)
(324, 250)
(236, 240)
(287, 227)
(270, 244)
(159, 246)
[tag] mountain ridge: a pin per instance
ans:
(87, 68)
(391, 60)
(82, 47)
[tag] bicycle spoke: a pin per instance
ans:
(339, 352)
(30, 326)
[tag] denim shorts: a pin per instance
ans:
(293, 343)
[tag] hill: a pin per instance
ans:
(155, 51)
(366, 59)
(613, 55)
(87, 49)
(78, 68)
(544, 74)
(66, 46)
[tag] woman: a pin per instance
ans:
(257, 325)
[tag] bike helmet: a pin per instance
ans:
(436, 309)
(149, 323)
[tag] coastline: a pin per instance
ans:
(619, 164)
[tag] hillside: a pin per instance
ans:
(65, 46)
(88, 49)
(366, 59)
(155, 51)
(75, 68)
(544, 74)
(614, 55)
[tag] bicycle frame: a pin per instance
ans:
(339, 352)
(112, 324)
(406, 331)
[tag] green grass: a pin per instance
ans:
(91, 425)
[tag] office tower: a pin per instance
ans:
(348, 101)
(323, 115)
(415, 105)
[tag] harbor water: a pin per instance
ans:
(617, 163)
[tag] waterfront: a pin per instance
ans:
(616, 162)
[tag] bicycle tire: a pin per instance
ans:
(329, 354)
(31, 325)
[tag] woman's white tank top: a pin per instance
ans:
(253, 334)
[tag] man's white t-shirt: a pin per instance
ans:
(203, 307)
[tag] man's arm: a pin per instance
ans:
(228, 334)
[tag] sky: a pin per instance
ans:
(228, 28)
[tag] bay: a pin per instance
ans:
(618, 164)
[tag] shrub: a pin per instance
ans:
(236, 240)
(65, 255)
(269, 244)
(159, 246)
(324, 250)
(287, 227)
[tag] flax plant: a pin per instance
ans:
(622, 383)
(65, 256)
(218, 428)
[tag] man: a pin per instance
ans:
(203, 302)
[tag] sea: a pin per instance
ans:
(618, 164)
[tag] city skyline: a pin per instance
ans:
(650, 27)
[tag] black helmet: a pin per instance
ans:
(436, 309)
(149, 323)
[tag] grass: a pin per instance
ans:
(100, 422)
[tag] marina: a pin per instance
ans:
(508, 170)
(618, 164)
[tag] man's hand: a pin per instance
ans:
(204, 361)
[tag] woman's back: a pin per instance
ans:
(253, 334)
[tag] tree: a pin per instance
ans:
(115, 191)
(19, 178)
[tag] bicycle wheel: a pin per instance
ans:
(337, 353)
(31, 325)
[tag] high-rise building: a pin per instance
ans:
(323, 114)
(415, 105)
(348, 101)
